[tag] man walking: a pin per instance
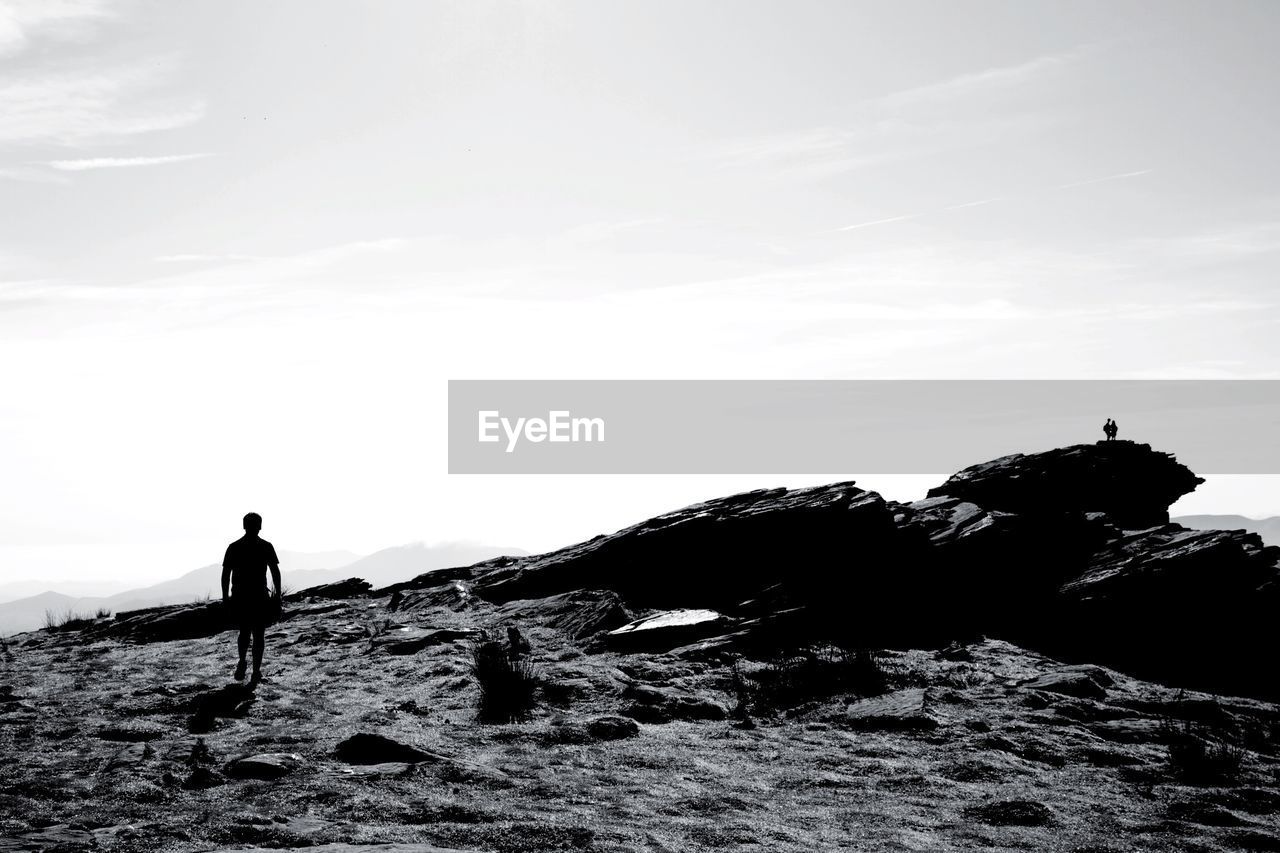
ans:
(244, 590)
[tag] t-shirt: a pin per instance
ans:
(248, 559)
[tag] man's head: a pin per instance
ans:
(252, 523)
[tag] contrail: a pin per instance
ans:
(981, 202)
(1106, 178)
(879, 222)
(978, 203)
(975, 203)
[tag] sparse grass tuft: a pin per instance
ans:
(794, 678)
(102, 613)
(507, 680)
(1199, 755)
(67, 620)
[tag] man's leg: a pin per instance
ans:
(246, 631)
(259, 644)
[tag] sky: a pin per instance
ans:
(244, 245)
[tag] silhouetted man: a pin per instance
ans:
(244, 590)
(1110, 429)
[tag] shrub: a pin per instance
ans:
(794, 678)
(102, 613)
(1198, 760)
(507, 680)
(1200, 754)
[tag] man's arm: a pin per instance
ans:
(226, 578)
(274, 563)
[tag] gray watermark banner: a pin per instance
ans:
(846, 426)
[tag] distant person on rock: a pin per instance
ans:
(244, 590)
(1109, 429)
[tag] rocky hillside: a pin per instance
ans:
(781, 670)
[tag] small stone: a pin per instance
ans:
(612, 728)
(1012, 813)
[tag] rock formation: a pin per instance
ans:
(1069, 551)
(1131, 483)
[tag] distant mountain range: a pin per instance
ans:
(1267, 528)
(299, 571)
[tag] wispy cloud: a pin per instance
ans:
(196, 258)
(1119, 177)
(985, 83)
(906, 216)
(33, 174)
(121, 162)
(968, 109)
(23, 21)
(986, 201)
(85, 107)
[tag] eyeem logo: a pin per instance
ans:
(558, 426)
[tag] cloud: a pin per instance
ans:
(22, 21)
(970, 109)
(121, 162)
(906, 216)
(1121, 176)
(86, 106)
(982, 84)
(33, 174)
(196, 258)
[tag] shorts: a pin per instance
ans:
(252, 611)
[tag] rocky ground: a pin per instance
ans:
(662, 715)
(365, 732)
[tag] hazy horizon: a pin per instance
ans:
(246, 245)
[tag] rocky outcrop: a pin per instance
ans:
(1133, 484)
(1193, 607)
(666, 630)
(1068, 550)
(580, 614)
(341, 590)
(716, 554)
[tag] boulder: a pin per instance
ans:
(612, 728)
(129, 757)
(266, 766)
(1078, 683)
(367, 748)
(901, 710)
